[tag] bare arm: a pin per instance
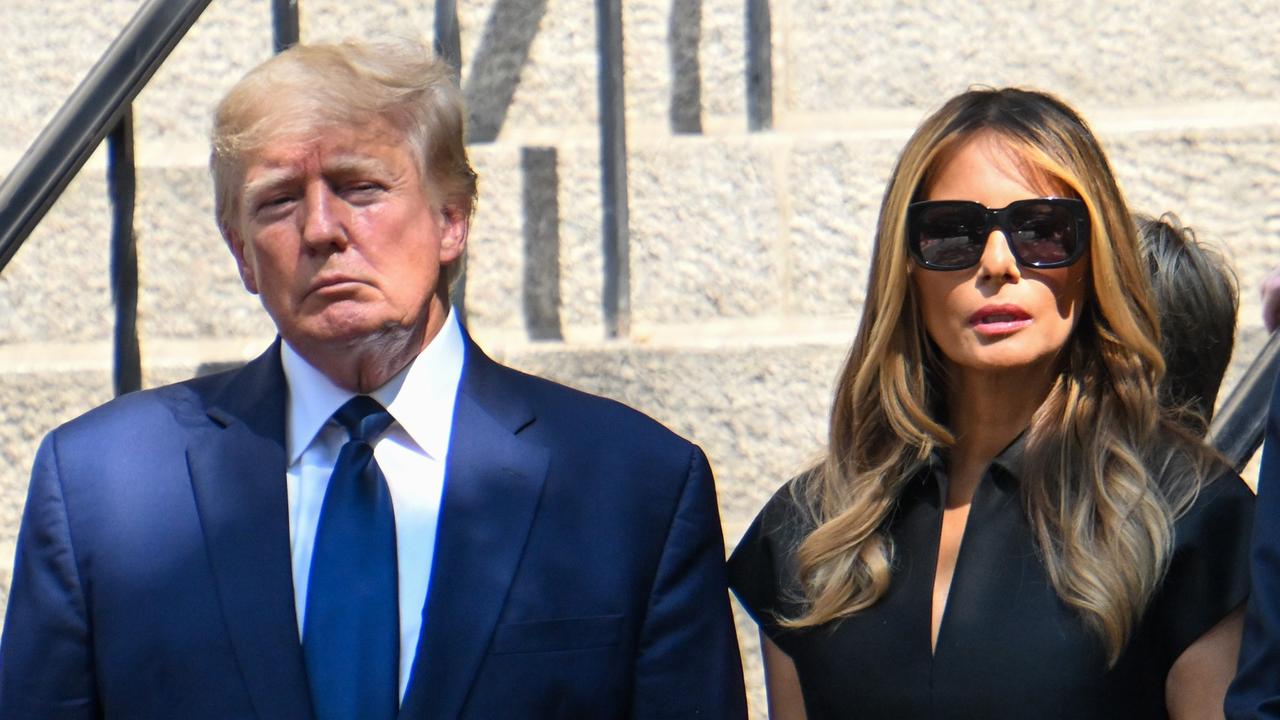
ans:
(1197, 682)
(782, 683)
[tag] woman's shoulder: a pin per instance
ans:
(1208, 572)
(1195, 477)
(1224, 489)
(762, 569)
(1219, 513)
(789, 512)
(784, 521)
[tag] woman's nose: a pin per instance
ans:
(997, 259)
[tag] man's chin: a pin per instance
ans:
(346, 332)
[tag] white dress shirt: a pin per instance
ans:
(411, 454)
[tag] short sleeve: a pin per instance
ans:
(1208, 574)
(762, 567)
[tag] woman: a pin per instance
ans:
(1003, 524)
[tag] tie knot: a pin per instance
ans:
(363, 417)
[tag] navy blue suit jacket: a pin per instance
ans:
(1255, 692)
(579, 567)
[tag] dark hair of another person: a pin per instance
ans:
(1197, 300)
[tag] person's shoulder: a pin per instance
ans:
(1224, 500)
(762, 569)
(1184, 464)
(136, 415)
(1207, 497)
(789, 516)
(1224, 482)
(589, 417)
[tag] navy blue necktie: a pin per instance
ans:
(351, 631)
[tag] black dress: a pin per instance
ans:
(1007, 647)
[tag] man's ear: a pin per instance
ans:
(453, 236)
(244, 258)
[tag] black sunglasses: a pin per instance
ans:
(1042, 232)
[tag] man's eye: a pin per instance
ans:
(361, 193)
(272, 203)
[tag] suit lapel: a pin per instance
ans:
(237, 469)
(493, 480)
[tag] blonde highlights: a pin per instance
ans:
(1108, 482)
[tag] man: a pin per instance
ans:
(231, 547)
(1255, 692)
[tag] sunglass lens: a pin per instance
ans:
(1043, 233)
(948, 237)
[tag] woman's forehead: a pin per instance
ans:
(1011, 157)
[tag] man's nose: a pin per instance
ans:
(998, 261)
(322, 219)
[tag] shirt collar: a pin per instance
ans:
(420, 397)
(1006, 468)
(1010, 458)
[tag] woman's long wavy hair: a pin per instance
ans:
(1108, 483)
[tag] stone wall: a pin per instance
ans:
(748, 250)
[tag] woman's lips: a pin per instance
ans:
(996, 320)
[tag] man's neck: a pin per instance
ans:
(368, 363)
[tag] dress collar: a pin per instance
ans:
(1006, 468)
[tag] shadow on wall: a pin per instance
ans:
(683, 36)
(504, 50)
(541, 204)
(495, 72)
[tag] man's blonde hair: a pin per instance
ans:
(309, 88)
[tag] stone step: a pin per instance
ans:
(756, 403)
(722, 228)
(757, 409)
(532, 63)
(748, 252)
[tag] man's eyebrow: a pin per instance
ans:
(267, 181)
(354, 164)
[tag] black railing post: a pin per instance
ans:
(448, 42)
(122, 185)
(285, 27)
(448, 47)
(759, 66)
(613, 171)
(684, 32)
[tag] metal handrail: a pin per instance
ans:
(92, 110)
(616, 220)
(1241, 420)
(103, 99)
